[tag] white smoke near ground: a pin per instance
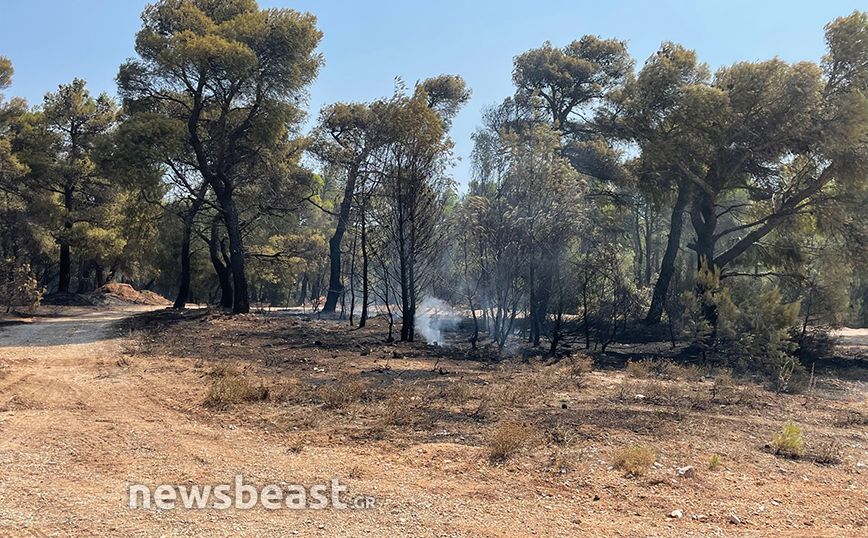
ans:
(373, 311)
(433, 316)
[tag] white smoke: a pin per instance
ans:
(433, 316)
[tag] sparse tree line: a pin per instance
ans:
(725, 209)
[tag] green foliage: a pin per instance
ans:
(714, 463)
(764, 327)
(18, 288)
(789, 442)
(234, 77)
(6, 72)
(562, 81)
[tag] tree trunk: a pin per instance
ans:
(240, 297)
(667, 267)
(100, 276)
(406, 326)
(184, 288)
(186, 271)
(637, 247)
(353, 281)
(65, 256)
(703, 216)
(649, 214)
(363, 319)
(335, 286)
(83, 274)
(224, 273)
(65, 264)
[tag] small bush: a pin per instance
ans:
(296, 445)
(828, 452)
(750, 395)
(18, 287)
(564, 461)
(817, 343)
(658, 391)
(714, 463)
(562, 435)
(233, 389)
(508, 439)
(789, 442)
(628, 389)
(460, 392)
(723, 388)
(580, 365)
(635, 460)
(341, 393)
(639, 370)
(405, 405)
(511, 395)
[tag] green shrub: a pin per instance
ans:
(789, 442)
(714, 463)
(18, 288)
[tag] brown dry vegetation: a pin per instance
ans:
(451, 442)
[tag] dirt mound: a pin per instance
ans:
(150, 298)
(128, 294)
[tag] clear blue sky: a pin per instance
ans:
(367, 43)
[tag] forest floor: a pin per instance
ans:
(94, 399)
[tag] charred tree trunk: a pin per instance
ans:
(363, 319)
(186, 272)
(240, 295)
(704, 220)
(667, 267)
(649, 228)
(65, 254)
(335, 285)
(184, 288)
(100, 276)
(224, 273)
(407, 319)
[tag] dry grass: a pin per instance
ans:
(565, 460)
(660, 392)
(509, 438)
(723, 389)
(828, 452)
(231, 388)
(297, 444)
(406, 406)
(341, 393)
(635, 460)
(460, 392)
(639, 369)
(670, 369)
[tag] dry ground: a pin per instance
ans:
(88, 406)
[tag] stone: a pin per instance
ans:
(686, 472)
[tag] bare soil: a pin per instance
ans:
(94, 400)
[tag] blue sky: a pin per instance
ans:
(367, 44)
